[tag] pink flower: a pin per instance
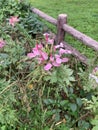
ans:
(2, 43)
(48, 66)
(65, 60)
(60, 45)
(68, 52)
(63, 51)
(44, 55)
(40, 60)
(36, 51)
(57, 56)
(46, 36)
(51, 58)
(56, 64)
(31, 55)
(13, 20)
(50, 41)
(58, 60)
(57, 46)
(39, 46)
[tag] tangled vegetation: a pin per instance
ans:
(42, 86)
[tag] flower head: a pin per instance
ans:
(49, 55)
(2, 43)
(46, 36)
(13, 20)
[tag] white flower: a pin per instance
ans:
(93, 77)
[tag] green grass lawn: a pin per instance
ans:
(82, 15)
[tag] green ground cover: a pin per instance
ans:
(82, 15)
(42, 86)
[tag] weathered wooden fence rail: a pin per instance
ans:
(63, 28)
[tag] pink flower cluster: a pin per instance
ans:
(2, 43)
(49, 59)
(13, 20)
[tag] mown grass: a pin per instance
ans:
(82, 15)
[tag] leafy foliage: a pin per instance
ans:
(21, 9)
(32, 95)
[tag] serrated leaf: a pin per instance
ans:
(53, 78)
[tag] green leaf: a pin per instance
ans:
(79, 102)
(57, 117)
(64, 103)
(73, 107)
(95, 128)
(3, 127)
(3, 55)
(95, 122)
(54, 77)
(48, 101)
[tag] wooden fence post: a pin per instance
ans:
(62, 19)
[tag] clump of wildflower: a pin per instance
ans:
(2, 43)
(13, 20)
(49, 55)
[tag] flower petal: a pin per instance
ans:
(57, 46)
(68, 52)
(50, 41)
(48, 66)
(55, 64)
(31, 55)
(63, 51)
(65, 60)
(51, 58)
(61, 44)
(58, 60)
(44, 55)
(36, 51)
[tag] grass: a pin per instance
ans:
(82, 15)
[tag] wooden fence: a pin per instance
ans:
(63, 28)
